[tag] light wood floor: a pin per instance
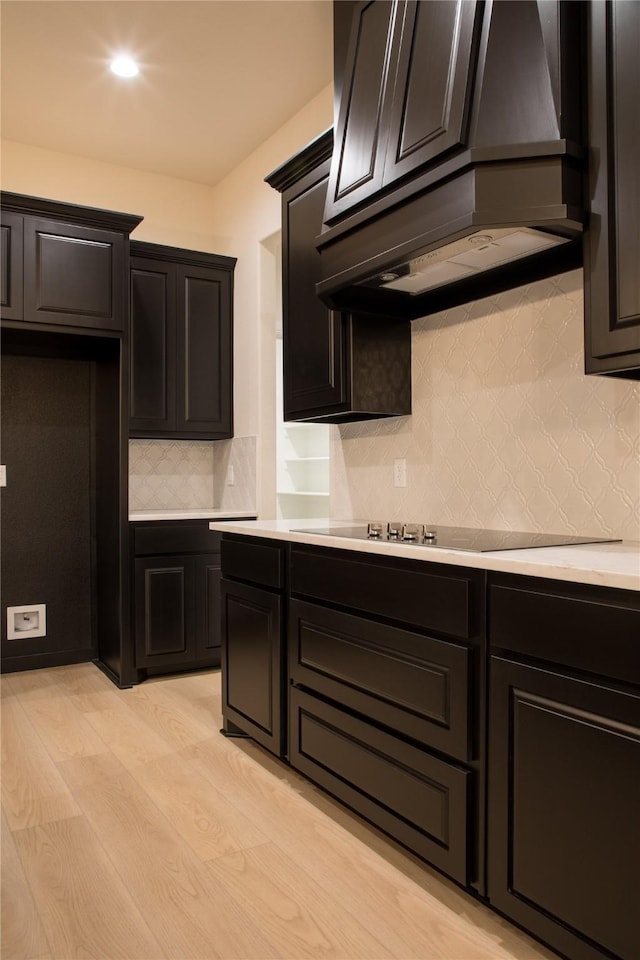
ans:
(132, 829)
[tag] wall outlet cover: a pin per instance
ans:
(29, 620)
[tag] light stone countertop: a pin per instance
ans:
(197, 514)
(601, 564)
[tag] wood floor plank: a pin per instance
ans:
(22, 935)
(33, 791)
(194, 916)
(67, 867)
(201, 815)
(63, 729)
(127, 735)
(297, 915)
(309, 877)
(168, 716)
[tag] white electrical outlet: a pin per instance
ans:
(231, 479)
(400, 473)
(27, 621)
(3, 475)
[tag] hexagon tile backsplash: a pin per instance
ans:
(506, 431)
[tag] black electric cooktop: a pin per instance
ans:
(452, 538)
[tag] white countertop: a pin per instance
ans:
(602, 564)
(199, 514)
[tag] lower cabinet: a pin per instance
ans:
(176, 596)
(253, 675)
(385, 670)
(564, 769)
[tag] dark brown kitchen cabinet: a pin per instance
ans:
(253, 668)
(405, 95)
(338, 366)
(564, 755)
(64, 265)
(385, 668)
(176, 591)
(11, 296)
(181, 343)
(612, 248)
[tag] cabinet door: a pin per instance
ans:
(208, 613)
(204, 353)
(314, 347)
(153, 347)
(361, 132)
(432, 93)
(73, 275)
(252, 663)
(564, 795)
(164, 611)
(11, 267)
(612, 276)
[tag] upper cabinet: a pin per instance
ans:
(457, 169)
(612, 250)
(338, 366)
(405, 100)
(181, 343)
(64, 265)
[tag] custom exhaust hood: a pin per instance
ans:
(465, 176)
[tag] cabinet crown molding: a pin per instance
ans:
(158, 251)
(70, 212)
(302, 163)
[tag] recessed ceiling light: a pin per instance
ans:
(124, 67)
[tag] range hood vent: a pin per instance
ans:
(467, 258)
(490, 196)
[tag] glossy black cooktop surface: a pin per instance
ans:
(463, 538)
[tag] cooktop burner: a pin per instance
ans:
(452, 538)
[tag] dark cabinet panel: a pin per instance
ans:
(431, 103)
(176, 592)
(252, 663)
(338, 366)
(204, 334)
(563, 800)
(414, 685)
(314, 348)
(164, 611)
(405, 100)
(208, 611)
(612, 250)
(153, 347)
(181, 343)
(416, 798)
(357, 171)
(73, 275)
(11, 295)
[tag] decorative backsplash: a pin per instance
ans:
(170, 474)
(239, 454)
(506, 431)
(192, 474)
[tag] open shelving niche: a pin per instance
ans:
(302, 456)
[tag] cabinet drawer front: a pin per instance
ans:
(415, 798)
(598, 633)
(440, 602)
(255, 562)
(415, 685)
(180, 536)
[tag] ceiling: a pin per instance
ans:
(217, 78)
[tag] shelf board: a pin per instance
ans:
(302, 493)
